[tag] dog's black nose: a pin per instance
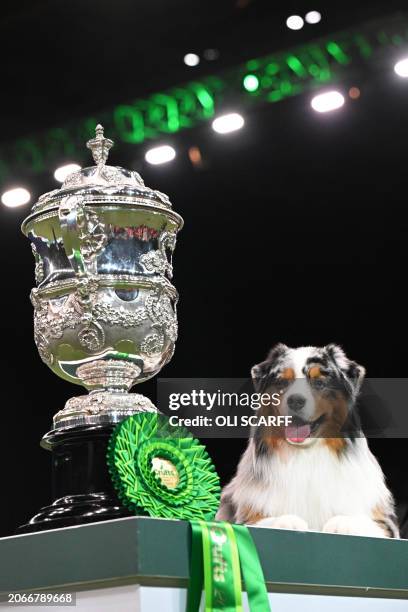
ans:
(296, 401)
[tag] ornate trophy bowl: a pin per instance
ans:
(104, 308)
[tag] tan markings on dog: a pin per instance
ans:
(337, 445)
(272, 436)
(249, 517)
(288, 374)
(335, 409)
(379, 516)
(275, 441)
(315, 372)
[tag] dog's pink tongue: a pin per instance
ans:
(297, 434)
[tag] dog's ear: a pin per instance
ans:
(352, 371)
(261, 371)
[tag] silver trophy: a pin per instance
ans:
(104, 306)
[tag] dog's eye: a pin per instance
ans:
(315, 372)
(318, 383)
(282, 383)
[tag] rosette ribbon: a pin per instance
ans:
(160, 470)
(220, 554)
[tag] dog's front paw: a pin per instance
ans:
(354, 525)
(286, 521)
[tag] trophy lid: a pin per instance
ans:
(103, 185)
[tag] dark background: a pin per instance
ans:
(295, 227)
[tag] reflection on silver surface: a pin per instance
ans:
(124, 248)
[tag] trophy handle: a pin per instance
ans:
(83, 235)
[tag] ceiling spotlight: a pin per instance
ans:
(354, 93)
(228, 123)
(62, 172)
(195, 156)
(294, 22)
(191, 59)
(313, 17)
(160, 155)
(401, 68)
(211, 54)
(15, 197)
(326, 102)
(250, 82)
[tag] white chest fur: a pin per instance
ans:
(312, 483)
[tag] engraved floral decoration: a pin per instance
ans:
(39, 266)
(92, 235)
(101, 401)
(53, 317)
(162, 314)
(152, 344)
(155, 262)
(108, 314)
(92, 337)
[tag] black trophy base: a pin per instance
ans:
(82, 486)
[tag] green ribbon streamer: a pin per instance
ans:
(195, 586)
(219, 551)
(222, 574)
(251, 570)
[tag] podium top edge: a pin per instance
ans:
(146, 551)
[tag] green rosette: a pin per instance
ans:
(160, 470)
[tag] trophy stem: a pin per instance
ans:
(108, 401)
(82, 490)
(81, 485)
(108, 374)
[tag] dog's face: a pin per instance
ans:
(317, 387)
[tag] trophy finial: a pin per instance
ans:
(100, 146)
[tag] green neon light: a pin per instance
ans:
(266, 82)
(272, 78)
(205, 98)
(272, 68)
(129, 123)
(314, 70)
(250, 82)
(253, 64)
(296, 65)
(338, 53)
(27, 153)
(364, 45)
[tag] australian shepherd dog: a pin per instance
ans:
(317, 472)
